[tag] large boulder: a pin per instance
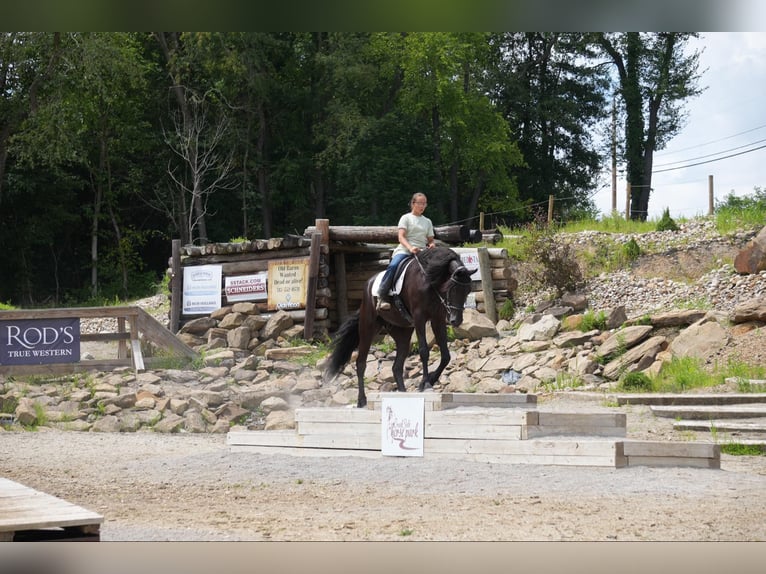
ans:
(752, 258)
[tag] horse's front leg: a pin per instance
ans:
(430, 379)
(424, 352)
(402, 339)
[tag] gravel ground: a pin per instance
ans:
(183, 487)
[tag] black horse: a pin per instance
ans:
(436, 284)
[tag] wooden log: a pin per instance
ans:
(389, 234)
(255, 255)
(341, 287)
(493, 252)
(176, 286)
(486, 281)
(311, 290)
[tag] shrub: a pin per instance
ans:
(557, 264)
(636, 381)
(666, 223)
(631, 250)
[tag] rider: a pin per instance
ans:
(416, 232)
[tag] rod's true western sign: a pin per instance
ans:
(39, 341)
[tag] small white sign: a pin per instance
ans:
(246, 287)
(471, 260)
(201, 289)
(401, 426)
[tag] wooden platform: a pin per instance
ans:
(444, 401)
(480, 433)
(30, 515)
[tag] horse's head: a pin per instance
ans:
(457, 290)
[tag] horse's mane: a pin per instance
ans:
(436, 262)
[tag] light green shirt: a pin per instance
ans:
(418, 227)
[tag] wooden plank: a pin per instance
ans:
(657, 461)
(157, 334)
(24, 508)
(472, 431)
(291, 439)
(338, 428)
(706, 412)
(483, 416)
(536, 431)
(690, 398)
(452, 400)
(582, 419)
(583, 447)
(341, 415)
(671, 449)
(542, 460)
(732, 425)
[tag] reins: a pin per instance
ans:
(452, 280)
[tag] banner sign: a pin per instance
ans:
(401, 426)
(202, 289)
(246, 287)
(288, 281)
(39, 341)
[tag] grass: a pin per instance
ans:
(739, 449)
(684, 373)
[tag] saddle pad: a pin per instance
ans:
(397, 287)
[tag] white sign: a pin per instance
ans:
(246, 287)
(401, 426)
(471, 260)
(202, 289)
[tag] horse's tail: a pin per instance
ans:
(344, 343)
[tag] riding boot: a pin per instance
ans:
(384, 298)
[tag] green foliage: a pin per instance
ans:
(635, 381)
(506, 310)
(631, 250)
(666, 223)
(736, 212)
(740, 449)
(593, 320)
(683, 373)
(6, 306)
(554, 262)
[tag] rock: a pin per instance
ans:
(475, 326)
(623, 339)
(700, 340)
(541, 330)
(752, 258)
(198, 326)
(280, 420)
(277, 323)
(650, 348)
(753, 310)
(109, 423)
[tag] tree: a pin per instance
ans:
(656, 75)
(552, 97)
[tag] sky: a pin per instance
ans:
(727, 119)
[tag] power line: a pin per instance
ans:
(708, 161)
(712, 154)
(718, 140)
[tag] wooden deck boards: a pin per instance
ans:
(28, 514)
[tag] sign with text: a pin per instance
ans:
(202, 289)
(246, 287)
(39, 341)
(288, 281)
(470, 259)
(401, 426)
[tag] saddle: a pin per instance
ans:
(396, 284)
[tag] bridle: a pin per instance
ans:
(452, 282)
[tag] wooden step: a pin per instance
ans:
(655, 453)
(442, 401)
(690, 398)
(731, 425)
(708, 412)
